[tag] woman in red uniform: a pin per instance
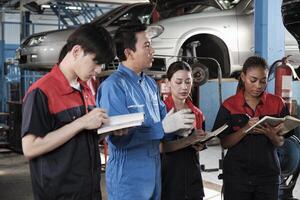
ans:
(251, 168)
(181, 176)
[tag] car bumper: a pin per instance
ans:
(38, 57)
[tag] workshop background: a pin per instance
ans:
(213, 36)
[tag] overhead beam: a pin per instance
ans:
(39, 2)
(10, 3)
(110, 1)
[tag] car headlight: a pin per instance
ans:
(154, 31)
(36, 40)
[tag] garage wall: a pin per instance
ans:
(11, 26)
(9, 41)
(209, 99)
(10, 30)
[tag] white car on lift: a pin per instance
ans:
(216, 29)
(225, 34)
(41, 50)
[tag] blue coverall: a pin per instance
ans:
(133, 170)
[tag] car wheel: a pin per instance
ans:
(208, 49)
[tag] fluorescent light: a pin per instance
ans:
(45, 6)
(73, 8)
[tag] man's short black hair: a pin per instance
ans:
(92, 39)
(125, 37)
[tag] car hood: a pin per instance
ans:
(49, 34)
(190, 22)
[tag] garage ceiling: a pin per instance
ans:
(7, 3)
(117, 1)
(11, 2)
(90, 1)
(16, 3)
(162, 4)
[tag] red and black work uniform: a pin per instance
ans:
(72, 171)
(181, 175)
(252, 165)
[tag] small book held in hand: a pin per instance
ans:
(211, 135)
(122, 121)
(289, 123)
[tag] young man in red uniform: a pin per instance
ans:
(59, 120)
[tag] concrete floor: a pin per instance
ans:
(210, 158)
(15, 182)
(15, 178)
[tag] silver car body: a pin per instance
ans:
(231, 33)
(233, 27)
(45, 52)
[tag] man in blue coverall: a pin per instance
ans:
(133, 170)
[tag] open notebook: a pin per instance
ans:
(211, 135)
(289, 123)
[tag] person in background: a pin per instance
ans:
(181, 174)
(251, 167)
(59, 120)
(133, 169)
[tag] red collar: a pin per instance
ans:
(170, 103)
(241, 98)
(63, 83)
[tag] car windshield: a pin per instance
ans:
(214, 5)
(141, 12)
(228, 4)
(109, 15)
(193, 6)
